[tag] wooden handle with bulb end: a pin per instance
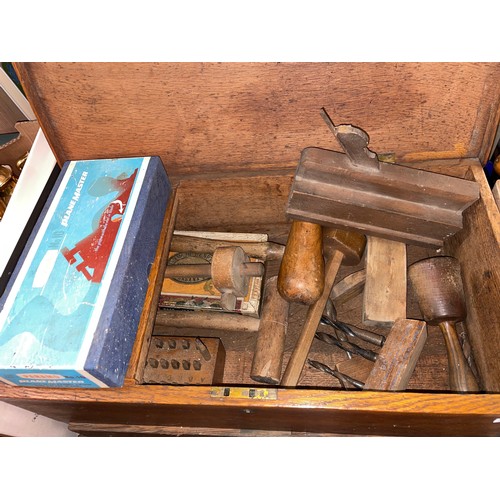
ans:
(302, 272)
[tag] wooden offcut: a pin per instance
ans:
(399, 355)
(384, 298)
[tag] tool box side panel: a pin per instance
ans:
(477, 247)
(116, 331)
(358, 412)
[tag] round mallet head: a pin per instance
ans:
(227, 276)
(437, 282)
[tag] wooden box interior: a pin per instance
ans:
(230, 136)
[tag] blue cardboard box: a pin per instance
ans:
(70, 312)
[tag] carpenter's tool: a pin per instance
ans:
(344, 379)
(268, 357)
(340, 247)
(396, 360)
(230, 271)
(437, 282)
(302, 272)
(264, 250)
(346, 346)
(384, 296)
(356, 191)
(210, 320)
(329, 318)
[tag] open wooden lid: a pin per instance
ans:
(210, 118)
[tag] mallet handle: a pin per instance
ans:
(314, 313)
(461, 377)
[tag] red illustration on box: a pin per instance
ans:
(95, 249)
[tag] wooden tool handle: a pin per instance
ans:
(205, 270)
(268, 357)
(265, 250)
(384, 297)
(461, 377)
(314, 313)
(207, 319)
(302, 271)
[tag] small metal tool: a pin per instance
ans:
(201, 346)
(344, 379)
(346, 346)
(331, 313)
(329, 318)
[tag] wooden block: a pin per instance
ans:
(398, 357)
(384, 299)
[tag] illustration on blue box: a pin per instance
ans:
(52, 308)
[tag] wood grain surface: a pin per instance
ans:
(398, 357)
(384, 296)
(477, 246)
(261, 113)
(230, 137)
(353, 412)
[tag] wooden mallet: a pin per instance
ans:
(230, 271)
(340, 247)
(437, 282)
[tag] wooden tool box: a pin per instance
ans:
(237, 131)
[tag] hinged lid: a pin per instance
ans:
(212, 117)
